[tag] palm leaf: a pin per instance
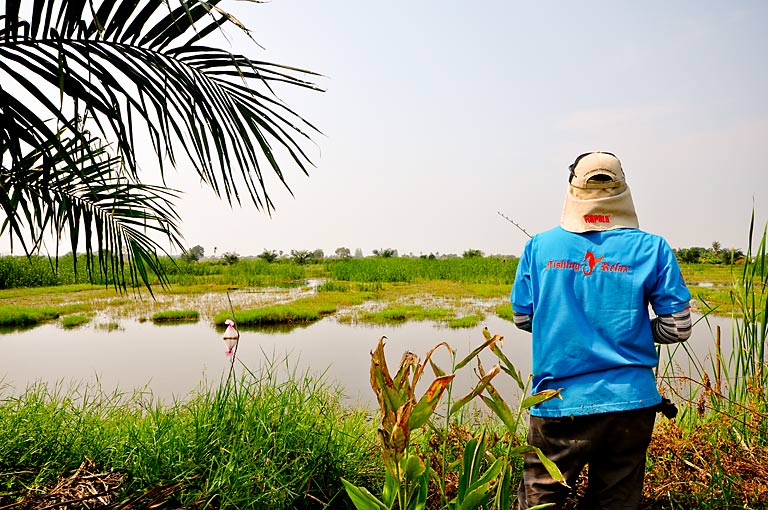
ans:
(120, 68)
(70, 186)
(201, 99)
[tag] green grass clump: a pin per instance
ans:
(265, 441)
(505, 312)
(26, 315)
(468, 321)
(73, 321)
(402, 313)
(333, 287)
(176, 316)
(108, 326)
(280, 314)
(304, 310)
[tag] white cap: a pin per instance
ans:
(596, 170)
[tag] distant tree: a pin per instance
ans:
(343, 253)
(193, 254)
(472, 253)
(301, 257)
(318, 254)
(358, 253)
(268, 255)
(730, 256)
(714, 255)
(385, 253)
(230, 258)
(690, 255)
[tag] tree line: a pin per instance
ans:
(716, 254)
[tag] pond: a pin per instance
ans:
(171, 361)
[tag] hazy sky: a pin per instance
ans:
(437, 115)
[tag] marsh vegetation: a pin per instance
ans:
(262, 441)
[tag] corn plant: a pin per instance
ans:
(407, 474)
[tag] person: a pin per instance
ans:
(583, 290)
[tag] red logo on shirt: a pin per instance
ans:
(591, 261)
(587, 265)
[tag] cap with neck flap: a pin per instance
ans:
(598, 197)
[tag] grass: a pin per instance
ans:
(108, 326)
(482, 270)
(27, 316)
(304, 310)
(274, 440)
(222, 446)
(387, 280)
(711, 286)
(395, 314)
(505, 312)
(73, 321)
(176, 316)
(468, 321)
(720, 441)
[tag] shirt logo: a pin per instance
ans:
(591, 261)
(597, 218)
(588, 265)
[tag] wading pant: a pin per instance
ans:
(614, 446)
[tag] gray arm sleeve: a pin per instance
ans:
(523, 321)
(671, 328)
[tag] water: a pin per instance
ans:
(172, 361)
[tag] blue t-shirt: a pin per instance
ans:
(589, 294)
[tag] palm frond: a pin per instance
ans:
(69, 186)
(118, 62)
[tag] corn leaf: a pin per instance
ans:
(428, 402)
(540, 397)
(362, 498)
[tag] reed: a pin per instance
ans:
(733, 379)
(723, 426)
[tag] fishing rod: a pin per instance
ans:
(514, 223)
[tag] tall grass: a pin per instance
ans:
(269, 440)
(247, 272)
(723, 429)
(466, 270)
(38, 271)
(16, 272)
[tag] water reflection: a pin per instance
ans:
(173, 361)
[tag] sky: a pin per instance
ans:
(436, 116)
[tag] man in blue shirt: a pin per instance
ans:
(583, 290)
